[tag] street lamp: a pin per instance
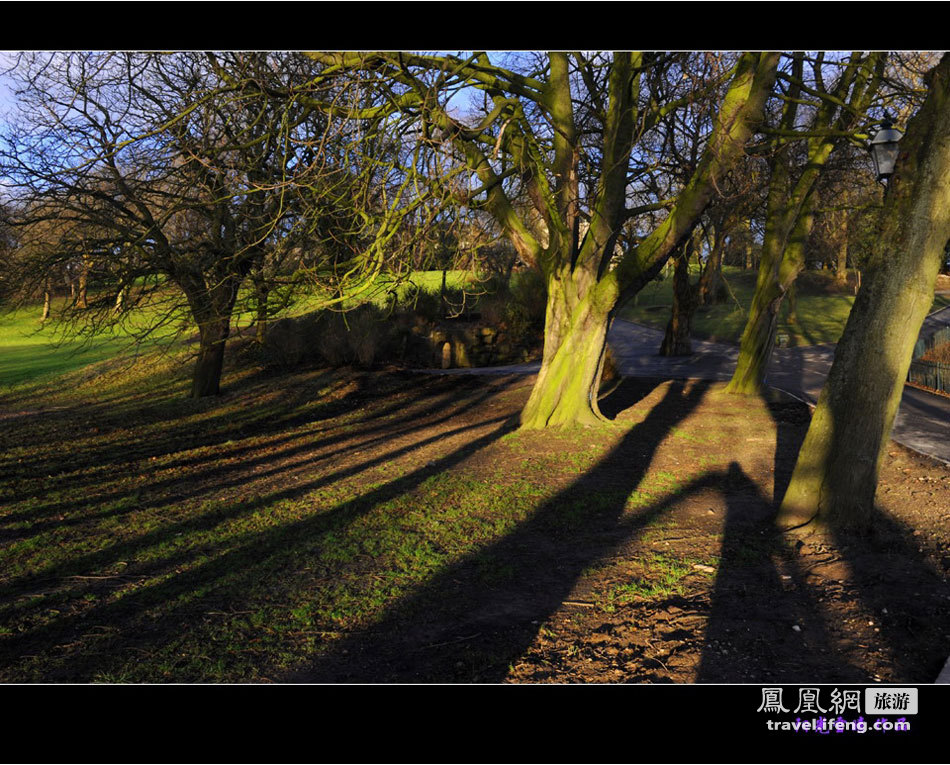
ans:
(883, 148)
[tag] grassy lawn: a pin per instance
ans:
(35, 351)
(424, 281)
(820, 314)
(334, 525)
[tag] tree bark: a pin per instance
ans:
(575, 338)
(835, 477)
(582, 292)
(710, 281)
(47, 300)
(841, 251)
(789, 215)
(676, 340)
(119, 300)
(206, 379)
(776, 276)
(82, 299)
(211, 308)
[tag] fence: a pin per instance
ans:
(930, 374)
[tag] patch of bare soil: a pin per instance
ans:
(659, 563)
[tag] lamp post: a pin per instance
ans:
(883, 149)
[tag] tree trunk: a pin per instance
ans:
(790, 208)
(710, 281)
(82, 297)
(676, 341)
(792, 295)
(583, 291)
(575, 338)
(841, 263)
(206, 379)
(841, 266)
(835, 477)
(211, 307)
(776, 276)
(47, 300)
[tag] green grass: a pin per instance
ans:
(655, 576)
(820, 317)
(32, 351)
(35, 351)
(147, 537)
(423, 281)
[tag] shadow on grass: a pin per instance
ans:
(231, 466)
(476, 616)
(463, 621)
(187, 582)
(412, 429)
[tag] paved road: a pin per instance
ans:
(922, 423)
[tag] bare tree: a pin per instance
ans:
(178, 177)
(557, 156)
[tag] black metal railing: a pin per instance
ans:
(930, 374)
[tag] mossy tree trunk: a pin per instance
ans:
(790, 205)
(841, 248)
(773, 284)
(710, 282)
(583, 292)
(835, 477)
(574, 343)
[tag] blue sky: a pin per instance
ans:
(6, 95)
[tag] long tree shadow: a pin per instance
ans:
(235, 466)
(477, 615)
(162, 433)
(410, 433)
(222, 577)
(846, 607)
(905, 594)
(890, 587)
(766, 625)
